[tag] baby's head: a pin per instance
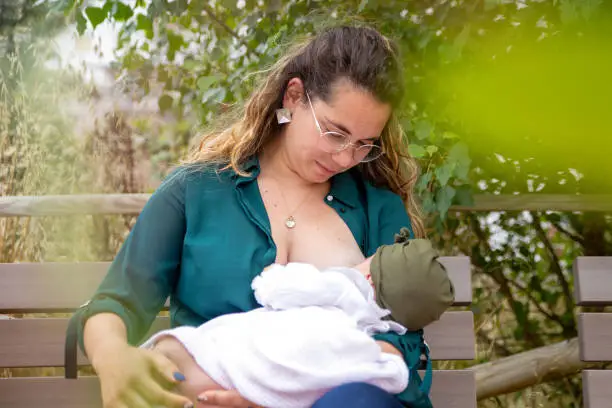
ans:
(409, 281)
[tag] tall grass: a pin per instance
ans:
(41, 154)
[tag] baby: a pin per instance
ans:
(314, 328)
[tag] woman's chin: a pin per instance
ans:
(321, 173)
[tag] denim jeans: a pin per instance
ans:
(357, 395)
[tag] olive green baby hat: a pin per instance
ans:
(411, 282)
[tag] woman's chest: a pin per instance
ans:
(317, 235)
(229, 244)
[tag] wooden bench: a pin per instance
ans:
(593, 287)
(51, 288)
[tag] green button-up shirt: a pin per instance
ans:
(204, 235)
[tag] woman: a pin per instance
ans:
(314, 170)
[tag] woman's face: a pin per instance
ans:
(350, 111)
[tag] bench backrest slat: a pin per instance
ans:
(593, 287)
(48, 287)
(593, 280)
(597, 389)
(595, 336)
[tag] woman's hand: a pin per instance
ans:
(137, 378)
(224, 399)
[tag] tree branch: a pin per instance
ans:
(528, 293)
(516, 372)
(499, 349)
(225, 27)
(574, 237)
(556, 266)
(497, 275)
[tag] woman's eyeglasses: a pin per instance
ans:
(335, 142)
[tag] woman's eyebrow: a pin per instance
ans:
(345, 130)
(337, 125)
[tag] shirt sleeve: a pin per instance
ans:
(146, 268)
(387, 217)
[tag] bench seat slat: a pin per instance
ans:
(597, 388)
(595, 336)
(452, 337)
(450, 389)
(593, 280)
(48, 287)
(453, 389)
(39, 342)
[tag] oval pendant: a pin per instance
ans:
(290, 222)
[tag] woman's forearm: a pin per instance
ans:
(102, 332)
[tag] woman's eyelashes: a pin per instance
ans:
(330, 127)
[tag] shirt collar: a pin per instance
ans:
(251, 167)
(345, 189)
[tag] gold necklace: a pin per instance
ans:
(290, 221)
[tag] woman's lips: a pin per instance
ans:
(326, 169)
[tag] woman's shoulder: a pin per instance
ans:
(196, 176)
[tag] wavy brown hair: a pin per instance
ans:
(363, 56)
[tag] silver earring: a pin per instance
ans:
(283, 115)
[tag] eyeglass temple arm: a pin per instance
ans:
(313, 114)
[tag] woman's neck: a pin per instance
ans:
(274, 161)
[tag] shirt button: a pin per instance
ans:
(343, 210)
(330, 197)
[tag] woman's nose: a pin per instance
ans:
(344, 158)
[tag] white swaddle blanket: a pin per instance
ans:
(312, 333)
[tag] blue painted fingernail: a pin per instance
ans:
(178, 376)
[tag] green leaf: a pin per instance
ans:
(362, 5)
(69, 6)
(416, 151)
(464, 196)
(143, 23)
(192, 65)
(165, 102)
(205, 82)
(123, 12)
(423, 129)
(459, 156)
(444, 173)
(432, 149)
(95, 15)
(459, 151)
(81, 22)
(175, 42)
(428, 203)
(423, 181)
(406, 124)
(108, 6)
(444, 199)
